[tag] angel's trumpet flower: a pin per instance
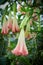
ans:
(15, 26)
(4, 28)
(21, 48)
(9, 24)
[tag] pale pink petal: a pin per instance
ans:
(16, 50)
(25, 51)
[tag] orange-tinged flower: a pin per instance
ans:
(28, 35)
(4, 28)
(21, 48)
(23, 13)
(15, 26)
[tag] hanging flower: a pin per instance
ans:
(15, 27)
(4, 28)
(21, 48)
(9, 24)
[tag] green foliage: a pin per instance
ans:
(34, 45)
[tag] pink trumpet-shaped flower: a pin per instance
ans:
(9, 24)
(4, 28)
(21, 48)
(15, 27)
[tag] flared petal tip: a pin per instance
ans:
(15, 30)
(18, 53)
(4, 32)
(25, 54)
(15, 53)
